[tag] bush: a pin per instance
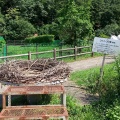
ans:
(40, 39)
(2, 24)
(2, 43)
(19, 29)
(108, 30)
(113, 113)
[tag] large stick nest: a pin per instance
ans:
(34, 71)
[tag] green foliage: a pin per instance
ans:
(2, 23)
(2, 43)
(107, 20)
(108, 30)
(55, 99)
(70, 22)
(12, 13)
(113, 113)
(117, 66)
(77, 112)
(90, 79)
(74, 23)
(108, 108)
(40, 39)
(19, 29)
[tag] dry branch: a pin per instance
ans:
(34, 72)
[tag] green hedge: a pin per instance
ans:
(40, 39)
(2, 42)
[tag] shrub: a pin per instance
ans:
(108, 30)
(40, 39)
(113, 113)
(2, 43)
(19, 29)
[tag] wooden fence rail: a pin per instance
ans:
(54, 52)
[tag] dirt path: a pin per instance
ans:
(80, 93)
(89, 63)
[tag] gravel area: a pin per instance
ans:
(89, 63)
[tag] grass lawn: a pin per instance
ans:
(83, 77)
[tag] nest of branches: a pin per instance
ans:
(34, 71)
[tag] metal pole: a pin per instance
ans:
(9, 100)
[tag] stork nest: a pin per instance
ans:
(34, 71)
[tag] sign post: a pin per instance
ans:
(105, 46)
(101, 69)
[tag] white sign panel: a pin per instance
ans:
(106, 46)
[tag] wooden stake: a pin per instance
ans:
(101, 69)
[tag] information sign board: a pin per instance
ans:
(106, 46)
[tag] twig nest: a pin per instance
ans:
(34, 71)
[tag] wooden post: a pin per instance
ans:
(101, 76)
(54, 53)
(101, 69)
(29, 55)
(92, 54)
(60, 52)
(4, 101)
(75, 52)
(36, 50)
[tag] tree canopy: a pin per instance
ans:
(68, 20)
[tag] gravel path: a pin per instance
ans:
(76, 91)
(89, 63)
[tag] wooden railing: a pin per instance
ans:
(54, 51)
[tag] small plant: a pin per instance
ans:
(113, 113)
(77, 112)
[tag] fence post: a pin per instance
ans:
(75, 52)
(29, 55)
(54, 53)
(92, 54)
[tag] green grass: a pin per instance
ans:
(14, 50)
(81, 77)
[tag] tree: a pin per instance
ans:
(19, 29)
(108, 12)
(2, 24)
(74, 23)
(108, 30)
